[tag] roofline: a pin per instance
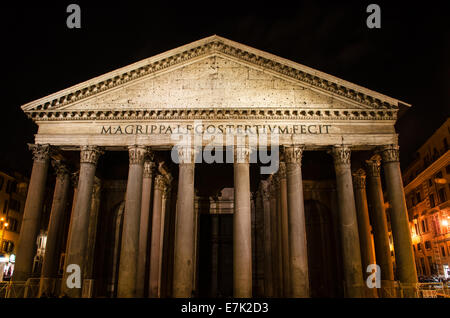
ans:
(421, 147)
(201, 42)
(429, 171)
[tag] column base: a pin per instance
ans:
(47, 287)
(356, 291)
(408, 290)
(389, 289)
(370, 292)
(88, 288)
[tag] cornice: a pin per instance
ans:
(216, 113)
(209, 46)
(429, 172)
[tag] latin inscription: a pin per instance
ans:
(136, 129)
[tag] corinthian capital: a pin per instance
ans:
(341, 155)
(60, 168)
(293, 154)
(137, 154)
(150, 155)
(282, 170)
(166, 191)
(359, 179)
(276, 182)
(74, 178)
(272, 186)
(186, 154)
(41, 153)
(97, 186)
(390, 153)
(160, 182)
(373, 166)
(149, 167)
(265, 189)
(90, 154)
(242, 154)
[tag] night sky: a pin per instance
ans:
(408, 58)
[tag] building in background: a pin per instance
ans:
(13, 191)
(427, 192)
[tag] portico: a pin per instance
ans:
(167, 136)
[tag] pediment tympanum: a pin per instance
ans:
(212, 82)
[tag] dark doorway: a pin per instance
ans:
(322, 257)
(215, 255)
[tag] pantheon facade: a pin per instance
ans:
(137, 213)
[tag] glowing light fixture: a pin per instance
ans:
(440, 181)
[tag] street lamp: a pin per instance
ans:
(444, 222)
(2, 227)
(440, 180)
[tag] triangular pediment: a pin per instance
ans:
(214, 81)
(212, 73)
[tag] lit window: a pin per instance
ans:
(419, 199)
(5, 206)
(424, 226)
(432, 203)
(442, 195)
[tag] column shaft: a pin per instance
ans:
(364, 230)
(274, 237)
(404, 256)
(348, 224)
(29, 230)
(379, 221)
(88, 279)
(279, 238)
(164, 248)
(147, 184)
(74, 181)
(155, 279)
(298, 253)
(183, 275)
(76, 254)
(126, 286)
(284, 229)
(242, 226)
(268, 271)
(214, 254)
(55, 228)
